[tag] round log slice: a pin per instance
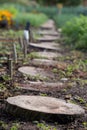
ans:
(42, 86)
(51, 33)
(40, 107)
(48, 55)
(44, 62)
(48, 25)
(48, 46)
(47, 38)
(35, 72)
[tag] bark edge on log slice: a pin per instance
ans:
(41, 107)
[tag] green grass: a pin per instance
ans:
(36, 19)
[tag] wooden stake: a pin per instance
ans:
(25, 47)
(21, 43)
(10, 63)
(14, 53)
(8, 57)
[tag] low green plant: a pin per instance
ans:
(75, 32)
(11, 33)
(55, 70)
(3, 125)
(2, 86)
(6, 77)
(15, 126)
(85, 125)
(43, 94)
(43, 126)
(36, 77)
(69, 70)
(80, 100)
(33, 55)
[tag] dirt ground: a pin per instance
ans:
(74, 89)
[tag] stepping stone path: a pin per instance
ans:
(41, 107)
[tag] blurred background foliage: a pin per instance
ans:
(65, 2)
(44, 2)
(39, 11)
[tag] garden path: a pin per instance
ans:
(43, 78)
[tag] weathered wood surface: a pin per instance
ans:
(48, 55)
(47, 45)
(47, 38)
(48, 25)
(44, 62)
(35, 72)
(42, 86)
(40, 107)
(48, 32)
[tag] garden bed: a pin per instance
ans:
(70, 71)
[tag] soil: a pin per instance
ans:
(76, 92)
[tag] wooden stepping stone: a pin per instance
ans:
(35, 72)
(51, 33)
(48, 55)
(42, 86)
(47, 38)
(48, 46)
(44, 62)
(41, 107)
(48, 25)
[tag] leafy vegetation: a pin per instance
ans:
(75, 32)
(36, 19)
(43, 126)
(4, 126)
(65, 2)
(61, 20)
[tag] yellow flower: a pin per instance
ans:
(6, 15)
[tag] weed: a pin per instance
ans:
(80, 99)
(36, 78)
(6, 77)
(55, 70)
(43, 94)
(2, 86)
(3, 125)
(85, 125)
(33, 55)
(43, 126)
(15, 126)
